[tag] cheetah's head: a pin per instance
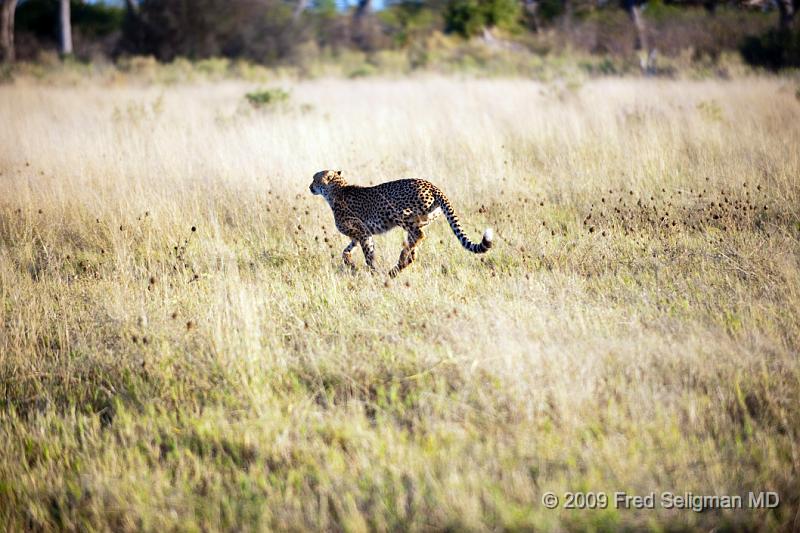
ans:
(325, 179)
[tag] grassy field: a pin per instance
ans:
(181, 348)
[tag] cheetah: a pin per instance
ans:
(411, 204)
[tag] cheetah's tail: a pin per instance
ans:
(452, 219)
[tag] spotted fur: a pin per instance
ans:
(361, 212)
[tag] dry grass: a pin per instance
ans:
(181, 349)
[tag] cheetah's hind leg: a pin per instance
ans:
(347, 255)
(409, 253)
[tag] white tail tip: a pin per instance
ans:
(488, 235)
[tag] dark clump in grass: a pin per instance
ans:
(719, 210)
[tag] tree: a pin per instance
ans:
(363, 34)
(646, 55)
(65, 28)
(786, 9)
(363, 7)
(260, 30)
(299, 8)
(531, 10)
(566, 18)
(7, 8)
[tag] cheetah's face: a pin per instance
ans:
(323, 180)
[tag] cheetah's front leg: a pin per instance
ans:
(368, 247)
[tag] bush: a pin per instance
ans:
(775, 49)
(409, 21)
(6, 74)
(267, 97)
(469, 17)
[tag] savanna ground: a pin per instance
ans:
(180, 347)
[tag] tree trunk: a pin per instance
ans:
(362, 9)
(299, 8)
(786, 11)
(646, 55)
(531, 9)
(7, 8)
(65, 24)
(566, 21)
(360, 30)
(635, 12)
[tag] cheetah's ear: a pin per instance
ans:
(338, 172)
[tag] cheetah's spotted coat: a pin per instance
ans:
(412, 204)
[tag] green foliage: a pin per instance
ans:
(266, 32)
(325, 8)
(409, 21)
(267, 97)
(469, 17)
(658, 10)
(362, 71)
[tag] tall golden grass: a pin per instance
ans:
(181, 348)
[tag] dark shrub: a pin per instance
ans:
(775, 49)
(261, 31)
